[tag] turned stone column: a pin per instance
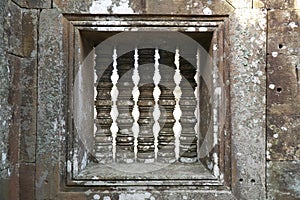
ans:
(103, 103)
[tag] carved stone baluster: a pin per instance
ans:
(156, 94)
(125, 139)
(188, 104)
(135, 97)
(103, 103)
(177, 94)
(166, 137)
(114, 97)
(146, 146)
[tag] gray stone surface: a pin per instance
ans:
(23, 95)
(247, 43)
(51, 103)
(34, 3)
(18, 33)
(20, 30)
(284, 32)
(5, 107)
(283, 180)
(5, 113)
(282, 4)
(149, 7)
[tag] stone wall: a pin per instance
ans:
(283, 127)
(29, 46)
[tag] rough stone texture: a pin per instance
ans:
(27, 182)
(24, 91)
(33, 3)
(157, 195)
(51, 97)
(284, 180)
(188, 7)
(259, 3)
(283, 4)
(247, 53)
(19, 22)
(284, 32)
(21, 30)
(283, 137)
(149, 7)
(282, 80)
(240, 3)
(283, 99)
(5, 113)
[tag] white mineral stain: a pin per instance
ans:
(215, 47)
(191, 29)
(275, 135)
(103, 6)
(4, 155)
(293, 25)
(207, 11)
(284, 128)
(274, 54)
(69, 166)
(96, 196)
(123, 8)
(203, 29)
(139, 196)
(272, 86)
(99, 6)
(216, 169)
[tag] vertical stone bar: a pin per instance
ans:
(188, 103)
(125, 139)
(146, 148)
(156, 94)
(197, 96)
(135, 95)
(114, 96)
(166, 137)
(103, 103)
(177, 94)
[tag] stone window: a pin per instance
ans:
(148, 102)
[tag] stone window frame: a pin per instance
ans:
(217, 25)
(246, 178)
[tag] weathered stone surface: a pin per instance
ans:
(149, 7)
(18, 94)
(188, 7)
(155, 194)
(2, 3)
(24, 77)
(284, 32)
(33, 3)
(20, 30)
(283, 78)
(5, 114)
(282, 4)
(27, 172)
(247, 42)
(240, 3)
(259, 3)
(14, 131)
(283, 180)
(51, 103)
(283, 138)
(13, 30)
